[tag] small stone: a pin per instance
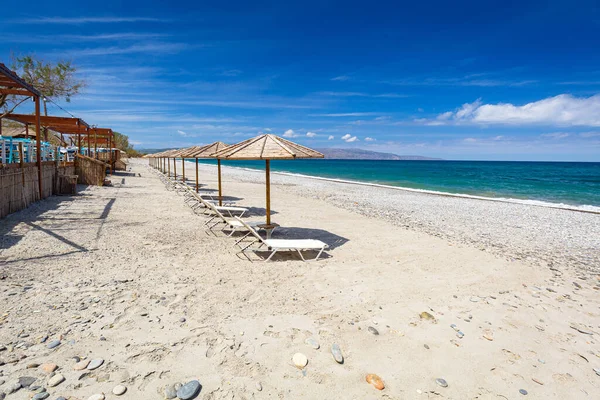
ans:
(376, 381)
(426, 346)
(597, 371)
(12, 387)
(26, 381)
(460, 335)
(312, 343)
(53, 344)
(300, 360)
(441, 382)
(488, 335)
(56, 380)
(170, 392)
(119, 390)
(48, 367)
(523, 392)
(581, 329)
(41, 396)
(474, 299)
(537, 381)
(33, 365)
(453, 326)
(182, 320)
(61, 398)
(95, 363)
(258, 386)
(373, 331)
(189, 390)
(337, 354)
(99, 396)
(427, 316)
(81, 365)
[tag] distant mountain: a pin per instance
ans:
(360, 154)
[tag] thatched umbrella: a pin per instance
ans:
(267, 147)
(207, 152)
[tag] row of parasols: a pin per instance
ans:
(263, 147)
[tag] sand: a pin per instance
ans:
(128, 274)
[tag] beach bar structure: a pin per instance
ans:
(12, 84)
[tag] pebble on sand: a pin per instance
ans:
(427, 316)
(56, 380)
(441, 382)
(300, 360)
(95, 363)
(189, 390)
(373, 331)
(312, 343)
(337, 353)
(81, 365)
(99, 396)
(376, 381)
(523, 392)
(170, 392)
(48, 367)
(41, 396)
(53, 344)
(258, 386)
(119, 390)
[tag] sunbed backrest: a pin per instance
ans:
(250, 229)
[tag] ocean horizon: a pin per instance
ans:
(559, 184)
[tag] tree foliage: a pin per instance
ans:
(122, 143)
(57, 81)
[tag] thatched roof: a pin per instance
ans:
(267, 147)
(18, 132)
(208, 150)
(190, 151)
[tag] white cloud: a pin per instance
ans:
(311, 134)
(369, 139)
(349, 138)
(182, 133)
(289, 133)
(556, 135)
(85, 20)
(267, 129)
(561, 110)
(331, 137)
(589, 134)
(341, 78)
(351, 114)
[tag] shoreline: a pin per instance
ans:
(585, 208)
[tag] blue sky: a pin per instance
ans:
(496, 80)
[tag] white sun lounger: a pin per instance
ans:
(229, 224)
(275, 245)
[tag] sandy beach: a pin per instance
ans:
(494, 298)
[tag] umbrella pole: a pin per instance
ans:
(175, 168)
(196, 174)
(183, 169)
(168, 167)
(268, 180)
(220, 191)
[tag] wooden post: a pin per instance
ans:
(21, 157)
(110, 152)
(38, 155)
(196, 174)
(96, 144)
(268, 180)
(183, 169)
(220, 191)
(168, 167)
(175, 168)
(89, 151)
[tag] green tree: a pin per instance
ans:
(122, 142)
(57, 81)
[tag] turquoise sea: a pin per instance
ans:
(559, 183)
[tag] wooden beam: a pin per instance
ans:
(19, 92)
(38, 144)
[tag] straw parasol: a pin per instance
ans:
(207, 152)
(267, 147)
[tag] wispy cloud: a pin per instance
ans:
(369, 139)
(460, 81)
(352, 114)
(182, 133)
(311, 134)
(85, 20)
(341, 78)
(156, 47)
(331, 137)
(289, 133)
(102, 37)
(362, 94)
(561, 110)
